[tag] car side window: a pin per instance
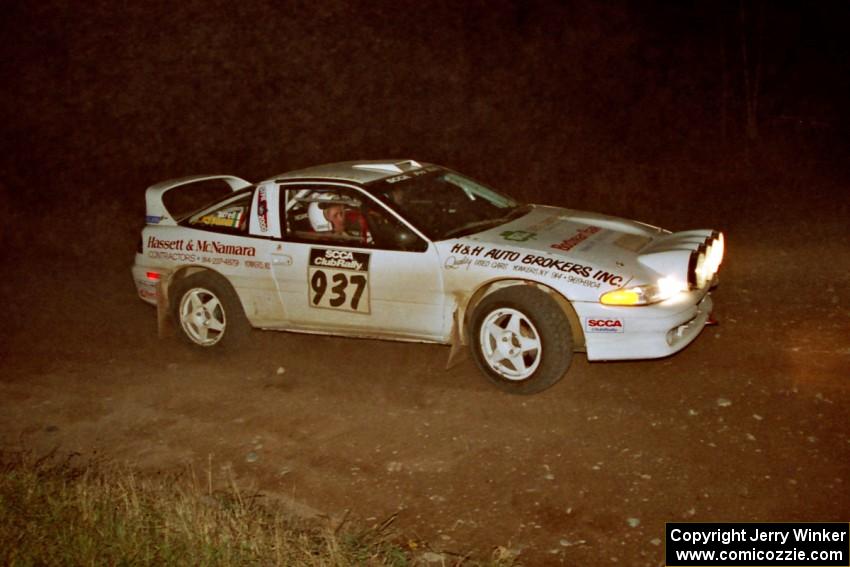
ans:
(325, 215)
(342, 216)
(389, 233)
(229, 216)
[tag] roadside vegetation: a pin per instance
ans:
(54, 512)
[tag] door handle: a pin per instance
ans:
(281, 259)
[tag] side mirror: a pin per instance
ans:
(406, 240)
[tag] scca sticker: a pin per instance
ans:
(339, 279)
(593, 325)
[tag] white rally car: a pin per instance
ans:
(417, 252)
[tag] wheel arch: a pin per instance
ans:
(182, 273)
(465, 309)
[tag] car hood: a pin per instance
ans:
(594, 252)
(577, 235)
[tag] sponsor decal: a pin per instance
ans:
(154, 242)
(464, 255)
(190, 258)
(152, 219)
(482, 263)
(611, 279)
(411, 174)
(398, 178)
(599, 325)
(334, 258)
(518, 235)
(466, 250)
(338, 279)
(262, 209)
(560, 265)
(232, 262)
(202, 246)
(493, 253)
(495, 258)
(230, 219)
(575, 280)
(214, 247)
(257, 265)
(580, 236)
(455, 263)
(498, 254)
(532, 270)
(173, 256)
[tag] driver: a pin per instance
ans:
(327, 218)
(339, 219)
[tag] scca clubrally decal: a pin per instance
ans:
(339, 279)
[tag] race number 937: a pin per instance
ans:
(339, 280)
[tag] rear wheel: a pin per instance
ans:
(521, 339)
(208, 311)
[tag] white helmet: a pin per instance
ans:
(317, 218)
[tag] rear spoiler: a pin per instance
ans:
(155, 211)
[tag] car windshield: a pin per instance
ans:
(444, 204)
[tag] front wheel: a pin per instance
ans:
(208, 311)
(521, 339)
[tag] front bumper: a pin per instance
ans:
(652, 331)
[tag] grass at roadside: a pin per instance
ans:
(55, 513)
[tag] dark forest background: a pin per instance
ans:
(693, 113)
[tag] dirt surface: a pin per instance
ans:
(747, 424)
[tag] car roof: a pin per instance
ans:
(361, 172)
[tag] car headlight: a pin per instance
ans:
(714, 254)
(705, 260)
(701, 267)
(664, 288)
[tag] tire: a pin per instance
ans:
(208, 312)
(521, 339)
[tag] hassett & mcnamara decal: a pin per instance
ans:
(174, 256)
(192, 258)
(199, 245)
(339, 279)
